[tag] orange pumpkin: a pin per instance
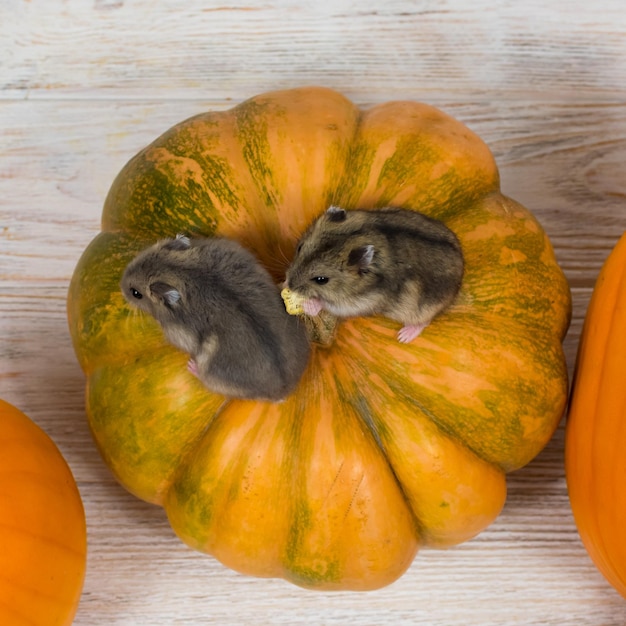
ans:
(595, 444)
(383, 447)
(42, 527)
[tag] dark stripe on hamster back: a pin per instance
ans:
(400, 227)
(402, 222)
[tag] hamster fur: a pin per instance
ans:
(214, 301)
(393, 262)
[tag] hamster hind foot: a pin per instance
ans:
(407, 333)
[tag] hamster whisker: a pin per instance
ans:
(283, 256)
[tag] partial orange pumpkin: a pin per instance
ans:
(383, 447)
(43, 544)
(595, 444)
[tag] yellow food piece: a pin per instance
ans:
(293, 302)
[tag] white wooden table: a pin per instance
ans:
(86, 84)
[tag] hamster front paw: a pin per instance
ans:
(192, 367)
(312, 306)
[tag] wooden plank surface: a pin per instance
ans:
(85, 84)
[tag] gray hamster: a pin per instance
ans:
(216, 302)
(393, 262)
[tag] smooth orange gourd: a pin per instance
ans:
(383, 447)
(595, 444)
(43, 543)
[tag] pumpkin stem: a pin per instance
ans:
(321, 328)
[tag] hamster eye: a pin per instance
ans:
(320, 280)
(136, 294)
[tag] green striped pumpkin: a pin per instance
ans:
(383, 447)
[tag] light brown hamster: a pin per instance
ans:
(215, 301)
(393, 262)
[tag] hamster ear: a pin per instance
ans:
(336, 214)
(361, 258)
(182, 242)
(168, 294)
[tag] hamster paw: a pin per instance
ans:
(192, 367)
(409, 332)
(312, 306)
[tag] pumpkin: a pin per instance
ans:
(595, 434)
(42, 527)
(383, 447)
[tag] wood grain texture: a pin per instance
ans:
(86, 84)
